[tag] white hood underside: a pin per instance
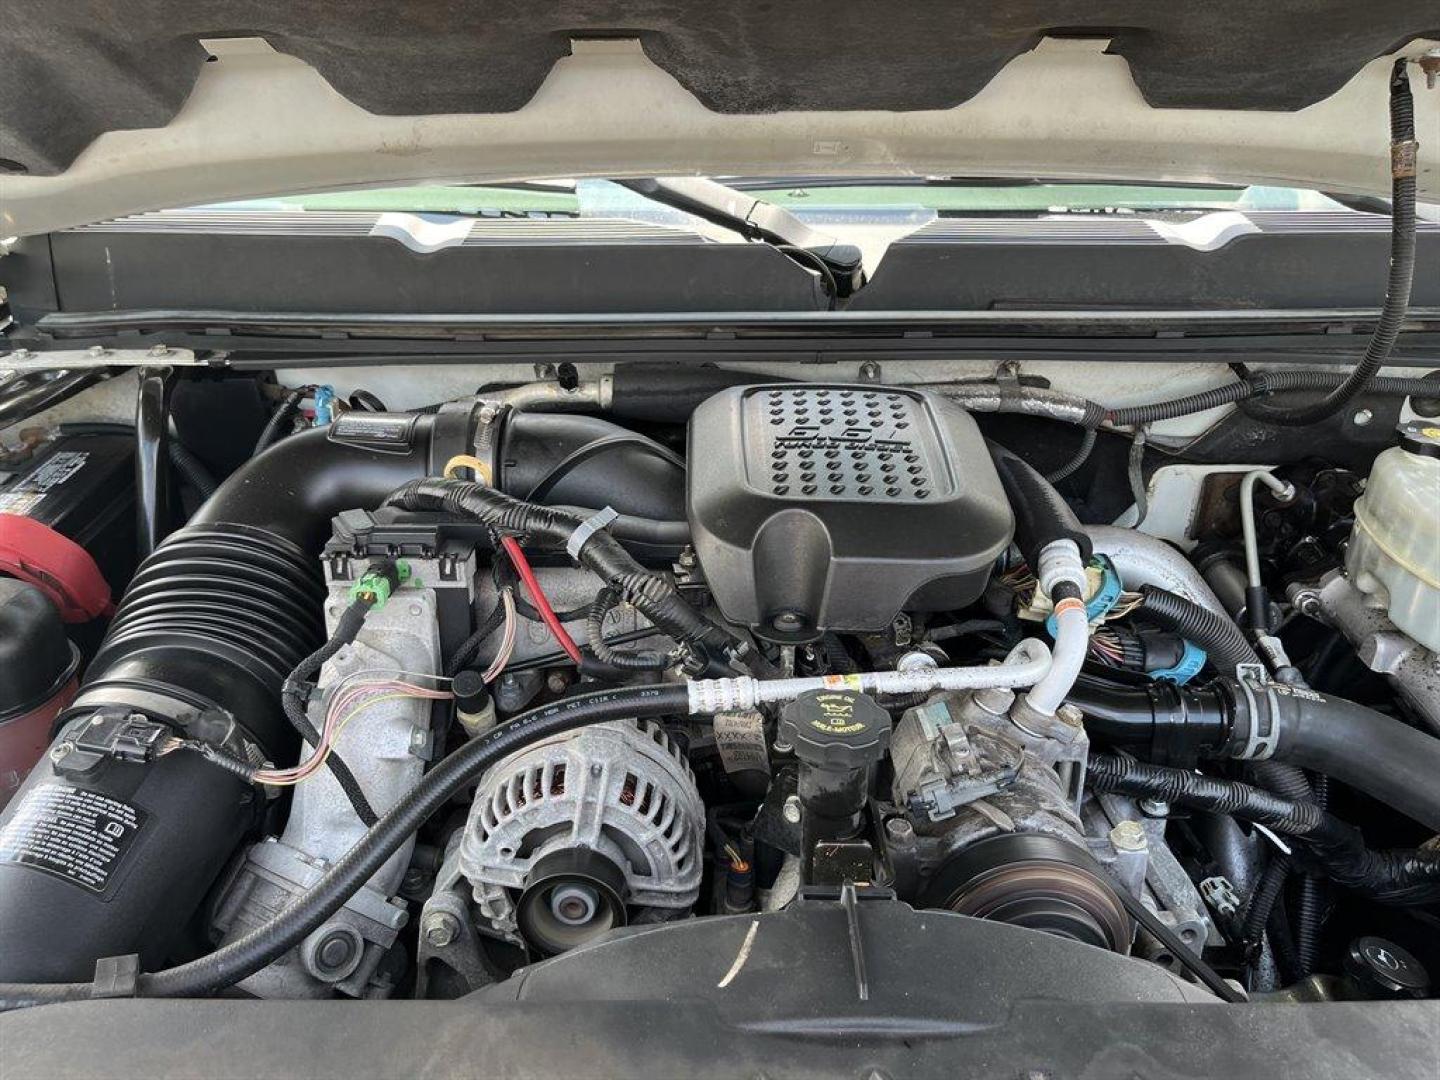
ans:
(261, 123)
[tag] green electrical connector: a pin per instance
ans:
(376, 586)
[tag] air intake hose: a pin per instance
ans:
(210, 626)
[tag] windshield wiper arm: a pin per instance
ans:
(756, 219)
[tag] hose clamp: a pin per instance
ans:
(1261, 738)
(589, 527)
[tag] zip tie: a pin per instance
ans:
(588, 528)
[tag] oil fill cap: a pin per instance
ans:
(836, 729)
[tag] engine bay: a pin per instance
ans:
(419, 704)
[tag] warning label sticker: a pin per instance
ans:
(55, 470)
(73, 834)
(740, 738)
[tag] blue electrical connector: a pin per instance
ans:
(324, 405)
(1192, 659)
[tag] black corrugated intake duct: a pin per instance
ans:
(122, 854)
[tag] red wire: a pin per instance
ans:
(537, 598)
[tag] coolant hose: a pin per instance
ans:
(1374, 753)
(1218, 635)
(1161, 721)
(271, 940)
(1377, 754)
(1041, 514)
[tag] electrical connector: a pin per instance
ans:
(378, 583)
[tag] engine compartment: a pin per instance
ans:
(416, 704)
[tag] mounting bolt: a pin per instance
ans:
(1128, 836)
(158, 350)
(440, 929)
(557, 682)
(899, 831)
(790, 810)
(1155, 808)
(787, 622)
(687, 558)
(1430, 65)
(95, 351)
(1362, 417)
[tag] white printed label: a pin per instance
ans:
(740, 738)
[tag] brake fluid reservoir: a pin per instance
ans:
(1394, 552)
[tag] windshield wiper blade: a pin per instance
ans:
(756, 219)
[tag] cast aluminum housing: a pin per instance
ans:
(622, 789)
(833, 507)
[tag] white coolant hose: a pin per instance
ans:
(1026, 665)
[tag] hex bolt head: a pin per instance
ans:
(1155, 808)
(787, 622)
(1128, 836)
(440, 929)
(899, 831)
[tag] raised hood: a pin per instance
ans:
(107, 109)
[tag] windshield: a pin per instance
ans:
(917, 200)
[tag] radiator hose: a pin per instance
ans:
(1371, 752)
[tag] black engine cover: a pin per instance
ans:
(832, 507)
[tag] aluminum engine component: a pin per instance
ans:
(1382, 646)
(386, 746)
(833, 507)
(964, 770)
(994, 811)
(583, 832)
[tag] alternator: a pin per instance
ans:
(585, 832)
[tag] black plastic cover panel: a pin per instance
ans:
(832, 507)
(339, 262)
(70, 71)
(1259, 259)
